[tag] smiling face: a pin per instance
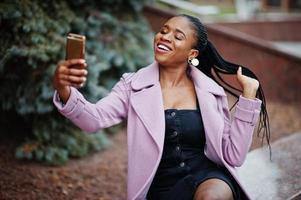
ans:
(174, 43)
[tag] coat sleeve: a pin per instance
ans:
(238, 132)
(108, 111)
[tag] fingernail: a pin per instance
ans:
(84, 79)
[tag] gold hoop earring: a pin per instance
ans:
(193, 61)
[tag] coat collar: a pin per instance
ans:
(149, 76)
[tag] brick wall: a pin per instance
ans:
(279, 73)
(288, 30)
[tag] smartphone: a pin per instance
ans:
(75, 47)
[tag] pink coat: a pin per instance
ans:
(137, 97)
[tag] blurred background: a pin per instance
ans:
(44, 156)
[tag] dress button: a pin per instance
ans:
(175, 133)
(182, 164)
(173, 114)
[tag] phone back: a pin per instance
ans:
(75, 46)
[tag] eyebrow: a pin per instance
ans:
(177, 30)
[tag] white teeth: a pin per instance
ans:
(161, 46)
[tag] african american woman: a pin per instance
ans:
(182, 142)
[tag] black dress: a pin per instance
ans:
(183, 165)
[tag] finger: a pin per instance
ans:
(74, 79)
(239, 71)
(62, 69)
(78, 66)
(77, 85)
(71, 62)
(72, 71)
(77, 72)
(239, 74)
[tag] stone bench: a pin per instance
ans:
(276, 179)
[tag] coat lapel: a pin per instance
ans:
(147, 102)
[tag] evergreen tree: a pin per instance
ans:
(33, 38)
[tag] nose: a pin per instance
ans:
(166, 37)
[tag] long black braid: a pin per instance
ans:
(213, 65)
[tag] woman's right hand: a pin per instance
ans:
(69, 73)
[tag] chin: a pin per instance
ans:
(161, 61)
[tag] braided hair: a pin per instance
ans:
(213, 65)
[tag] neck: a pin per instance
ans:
(173, 76)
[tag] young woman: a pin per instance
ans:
(182, 143)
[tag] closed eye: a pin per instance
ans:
(179, 37)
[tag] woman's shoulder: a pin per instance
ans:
(128, 76)
(140, 76)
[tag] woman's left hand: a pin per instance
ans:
(249, 85)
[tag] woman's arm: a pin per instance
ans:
(112, 109)
(90, 117)
(238, 132)
(237, 137)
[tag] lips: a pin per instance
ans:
(163, 48)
